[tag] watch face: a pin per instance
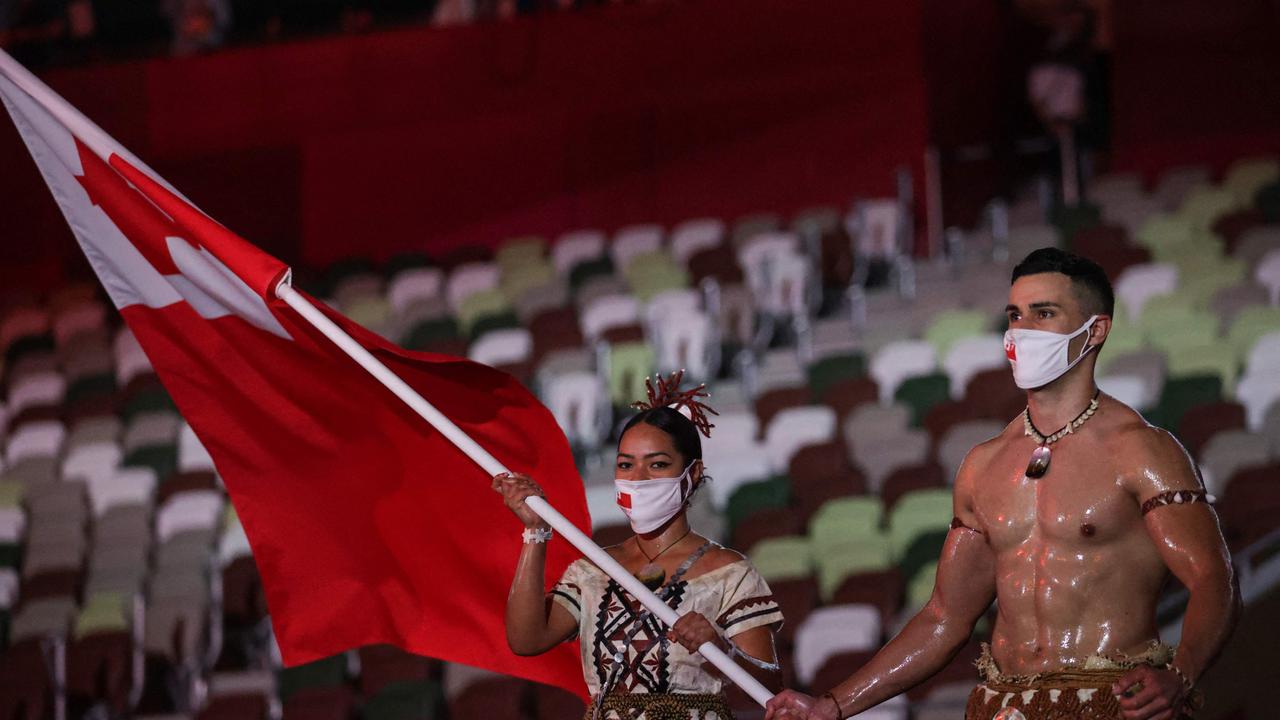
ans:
(1009, 714)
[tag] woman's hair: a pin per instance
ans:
(669, 420)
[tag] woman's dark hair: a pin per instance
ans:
(681, 429)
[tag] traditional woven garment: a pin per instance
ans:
(1073, 693)
(733, 597)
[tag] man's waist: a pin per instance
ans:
(1097, 669)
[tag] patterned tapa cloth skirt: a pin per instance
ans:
(661, 706)
(1067, 694)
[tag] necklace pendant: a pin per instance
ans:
(652, 576)
(1039, 463)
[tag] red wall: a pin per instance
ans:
(427, 139)
(1195, 82)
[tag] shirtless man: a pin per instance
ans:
(1074, 553)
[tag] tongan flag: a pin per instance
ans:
(366, 524)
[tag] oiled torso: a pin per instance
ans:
(1076, 572)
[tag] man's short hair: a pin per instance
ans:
(1088, 279)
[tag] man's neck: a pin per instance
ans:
(1061, 401)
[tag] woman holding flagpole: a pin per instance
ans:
(635, 667)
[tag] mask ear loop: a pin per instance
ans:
(1088, 331)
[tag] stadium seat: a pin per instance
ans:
(693, 236)
(899, 360)
(831, 630)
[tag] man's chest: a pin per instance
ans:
(1081, 498)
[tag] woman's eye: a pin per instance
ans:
(660, 465)
(624, 466)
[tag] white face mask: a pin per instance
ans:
(649, 504)
(1039, 357)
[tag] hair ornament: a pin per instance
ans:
(667, 393)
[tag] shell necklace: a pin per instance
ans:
(1039, 463)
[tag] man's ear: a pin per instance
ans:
(1099, 331)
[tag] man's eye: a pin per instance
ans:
(1046, 314)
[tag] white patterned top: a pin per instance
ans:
(733, 597)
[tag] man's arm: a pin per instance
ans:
(963, 590)
(1190, 542)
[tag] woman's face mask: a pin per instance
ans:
(1039, 357)
(650, 504)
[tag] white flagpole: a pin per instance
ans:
(492, 466)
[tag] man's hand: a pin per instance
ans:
(792, 705)
(1153, 694)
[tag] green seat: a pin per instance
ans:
(519, 279)
(1211, 359)
(323, 673)
(752, 497)
(835, 563)
(916, 513)
(923, 551)
(405, 700)
(10, 555)
(952, 325)
(845, 521)
(1268, 201)
(582, 272)
(89, 387)
(1180, 395)
(1245, 178)
(1071, 220)
(1125, 336)
(920, 587)
(11, 492)
(429, 332)
(1204, 252)
(152, 400)
(103, 612)
(1171, 325)
(478, 304)
(1203, 206)
(1250, 325)
(163, 459)
(783, 558)
(370, 312)
(520, 252)
(652, 273)
(922, 393)
(629, 365)
(1199, 284)
(1163, 231)
(496, 321)
(831, 371)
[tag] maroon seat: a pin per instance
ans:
(992, 394)
(491, 699)
(236, 707)
(946, 415)
(766, 523)
(882, 589)
(809, 494)
(824, 460)
(796, 598)
(1250, 506)
(186, 482)
(838, 260)
(243, 603)
(775, 401)
(37, 413)
(847, 395)
(465, 254)
(381, 665)
(1204, 421)
(62, 582)
(555, 329)
(716, 262)
(553, 703)
(25, 692)
(98, 671)
(1233, 225)
(329, 703)
(837, 668)
(907, 479)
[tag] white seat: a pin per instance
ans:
(196, 510)
(1264, 355)
(36, 390)
(693, 236)
(957, 441)
(761, 256)
(634, 240)
(1131, 390)
(874, 225)
(1268, 275)
(158, 427)
(13, 525)
(1139, 283)
(233, 544)
(670, 303)
(192, 455)
(131, 361)
(579, 403)
(506, 346)
(8, 587)
(829, 631)
(879, 460)
(732, 431)
(748, 462)
(899, 360)
(34, 439)
(469, 279)
(686, 341)
(89, 463)
(969, 356)
(1230, 451)
(794, 428)
(124, 486)
(414, 285)
(576, 247)
(608, 312)
(1257, 392)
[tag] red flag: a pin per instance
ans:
(366, 524)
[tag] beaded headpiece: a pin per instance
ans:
(668, 394)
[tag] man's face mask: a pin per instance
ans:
(1039, 357)
(650, 504)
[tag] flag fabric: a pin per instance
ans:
(366, 524)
